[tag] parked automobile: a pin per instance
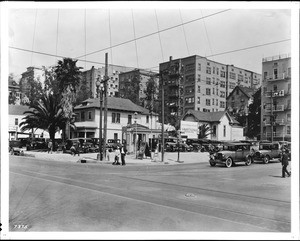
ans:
(266, 151)
(232, 153)
(15, 147)
(113, 143)
(37, 144)
(194, 144)
(89, 147)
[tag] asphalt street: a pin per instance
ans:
(69, 196)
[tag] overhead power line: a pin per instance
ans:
(94, 62)
(157, 32)
(242, 49)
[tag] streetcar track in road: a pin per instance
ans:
(198, 209)
(208, 190)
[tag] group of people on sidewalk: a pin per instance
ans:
(117, 154)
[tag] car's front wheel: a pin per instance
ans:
(266, 159)
(212, 163)
(228, 162)
(248, 161)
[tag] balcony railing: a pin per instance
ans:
(276, 108)
(275, 77)
(276, 122)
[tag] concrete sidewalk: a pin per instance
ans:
(170, 158)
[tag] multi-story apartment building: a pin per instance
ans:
(89, 78)
(276, 98)
(132, 85)
(36, 74)
(205, 84)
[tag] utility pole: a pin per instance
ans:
(105, 104)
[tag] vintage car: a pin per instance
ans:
(232, 153)
(15, 148)
(266, 151)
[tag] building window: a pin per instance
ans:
(208, 70)
(115, 136)
(265, 75)
(224, 131)
(208, 102)
(90, 115)
(199, 89)
(198, 100)
(217, 102)
(129, 119)
(231, 85)
(213, 91)
(199, 66)
(199, 78)
(147, 119)
(275, 72)
(288, 130)
(288, 117)
(240, 77)
(275, 88)
(222, 104)
(222, 94)
(82, 116)
(214, 69)
(116, 117)
(16, 121)
(222, 74)
(208, 81)
(207, 91)
(213, 101)
(237, 92)
(217, 71)
(222, 84)
(232, 75)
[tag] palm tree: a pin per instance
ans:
(204, 131)
(47, 114)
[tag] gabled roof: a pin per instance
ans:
(113, 103)
(206, 116)
(17, 109)
(212, 116)
(245, 90)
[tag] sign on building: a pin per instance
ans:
(189, 129)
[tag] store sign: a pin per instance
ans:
(189, 129)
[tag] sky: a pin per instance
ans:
(144, 35)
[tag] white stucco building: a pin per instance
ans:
(223, 126)
(126, 121)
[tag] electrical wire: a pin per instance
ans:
(148, 35)
(88, 61)
(136, 51)
(33, 36)
(186, 44)
(161, 49)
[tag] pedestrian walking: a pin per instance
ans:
(155, 157)
(285, 163)
(117, 156)
(123, 154)
(50, 146)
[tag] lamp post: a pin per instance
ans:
(100, 94)
(136, 139)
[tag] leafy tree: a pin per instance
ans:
(12, 96)
(47, 114)
(65, 85)
(32, 89)
(204, 131)
(254, 116)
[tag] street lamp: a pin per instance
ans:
(99, 86)
(136, 139)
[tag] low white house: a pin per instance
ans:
(125, 121)
(223, 126)
(15, 116)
